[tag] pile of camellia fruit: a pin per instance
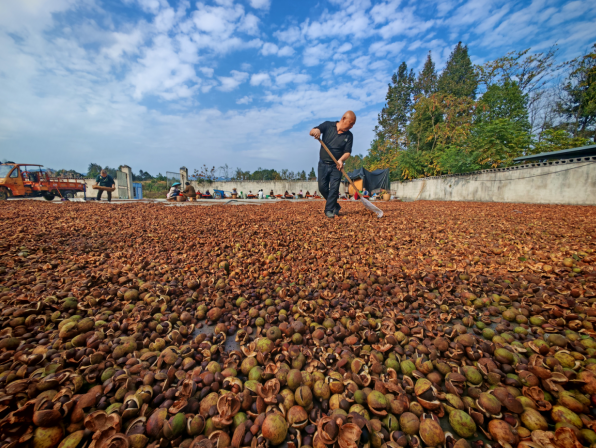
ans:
(439, 325)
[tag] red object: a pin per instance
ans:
(356, 196)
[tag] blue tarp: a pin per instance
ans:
(372, 180)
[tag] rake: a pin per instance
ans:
(377, 211)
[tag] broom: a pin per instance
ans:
(377, 211)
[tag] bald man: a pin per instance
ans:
(339, 139)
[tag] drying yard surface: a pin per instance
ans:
(441, 324)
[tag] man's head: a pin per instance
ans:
(104, 173)
(347, 122)
(187, 183)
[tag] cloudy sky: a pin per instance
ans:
(158, 84)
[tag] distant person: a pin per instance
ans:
(365, 193)
(207, 195)
(300, 194)
(103, 179)
(174, 191)
(189, 192)
(260, 194)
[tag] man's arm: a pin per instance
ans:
(316, 131)
(346, 155)
(341, 161)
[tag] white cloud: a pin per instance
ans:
(244, 100)
(285, 51)
(258, 79)
(296, 78)
(312, 55)
(381, 48)
(269, 49)
(260, 4)
(344, 47)
(229, 83)
(163, 72)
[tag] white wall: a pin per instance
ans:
(570, 182)
(278, 186)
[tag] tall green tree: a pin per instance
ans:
(532, 72)
(426, 84)
(577, 104)
(394, 117)
(353, 163)
(93, 170)
(504, 101)
(459, 77)
(312, 175)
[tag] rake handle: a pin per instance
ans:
(342, 169)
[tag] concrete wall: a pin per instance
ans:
(278, 186)
(91, 193)
(570, 182)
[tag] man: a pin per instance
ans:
(339, 139)
(103, 179)
(189, 192)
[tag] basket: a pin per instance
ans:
(99, 187)
(386, 196)
(180, 198)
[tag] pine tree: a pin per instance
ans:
(426, 84)
(459, 78)
(312, 175)
(394, 117)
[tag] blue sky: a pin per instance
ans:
(158, 84)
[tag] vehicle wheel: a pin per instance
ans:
(3, 195)
(68, 194)
(49, 197)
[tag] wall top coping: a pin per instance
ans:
(525, 166)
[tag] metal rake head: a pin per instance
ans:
(377, 211)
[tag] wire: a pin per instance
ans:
(536, 175)
(520, 178)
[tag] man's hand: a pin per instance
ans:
(339, 164)
(316, 133)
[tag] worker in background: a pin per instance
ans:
(337, 137)
(103, 179)
(189, 192)
(174, 191)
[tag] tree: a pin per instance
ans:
(459, 78)
(204, 174)
(394, 117)
(426, 84)
(532, 72)
(577, 103)
(241, 175)
(353, 163)
(504, 101)
(303, 175)
(556, 140)
(93, 169)
(312, 175)
(224, 171)
(490, 144)
(264, 174)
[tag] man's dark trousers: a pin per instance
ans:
(329, 181)
(109, 195)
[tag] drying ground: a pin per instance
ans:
(441, 323)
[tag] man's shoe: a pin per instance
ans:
(336, 210)
(330, 215)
